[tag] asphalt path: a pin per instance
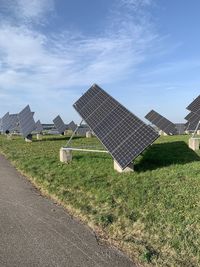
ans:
(35, 231)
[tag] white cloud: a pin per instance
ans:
(34, 62)
(27, 11)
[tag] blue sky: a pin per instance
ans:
(145, 53)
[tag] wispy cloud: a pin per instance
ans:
(33, 61)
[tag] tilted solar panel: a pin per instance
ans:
(195, 105)
(14, 122)
(72, 126)
(59, 124)
(180, 127)
(123, 134)
(26, 121)
(39, 127)
(6, 123)
(161, 122)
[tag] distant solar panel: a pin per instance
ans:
(161, 122)
(26, 121)
(14, 121)
(59, 124)
(180, 127)
(195, 105)
(82, 131)
(6, 122)
(39, 127)
(123, 134)
(72, 126)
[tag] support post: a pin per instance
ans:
(28, 139)
(65, 155)
(39, 136)
(88, 134)
(161, 132)
(129, 168)
(194, 143)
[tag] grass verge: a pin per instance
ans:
(153, 214)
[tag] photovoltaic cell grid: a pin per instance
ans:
(161, 122)
(59, 124)
(26, 121)
(195, 105)
(5, 122)
(14, 121)
(123, 134)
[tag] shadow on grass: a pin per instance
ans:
(165, 154)
(56, 138)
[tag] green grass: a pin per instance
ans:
(153, 213)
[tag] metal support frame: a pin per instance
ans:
(195, 131)
(70, 139)
(84, 150)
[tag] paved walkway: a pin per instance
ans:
(34, 231)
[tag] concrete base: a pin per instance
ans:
(88, 134)
(187, 132)
(198, 132)
(9, 136)
(162, 133)
(27, 140)
(118, 168)
(194, 143)
(39, 137)
(65, 155)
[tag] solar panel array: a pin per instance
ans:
(59, 124)
(26, 121)
(123, 134)
(161, 122)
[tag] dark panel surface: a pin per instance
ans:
(59, 124)
(26, 121)
(161, 122)
(195, 105)
(123, 134)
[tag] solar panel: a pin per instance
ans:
(6, 122)
(180, 127)
(82, 131)
(161, 122)
(72, 126)
(14, 121)
(39, 127)
(59, 124)
(123, 134)
(192, 117)
(26, 121)
(195, 105)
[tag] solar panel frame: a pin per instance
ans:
(59, 124)
(161, 122)
(26, 121)
(98, 108)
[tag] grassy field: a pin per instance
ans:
(153, 214)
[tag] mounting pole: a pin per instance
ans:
(195, 131)
(74, 133)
